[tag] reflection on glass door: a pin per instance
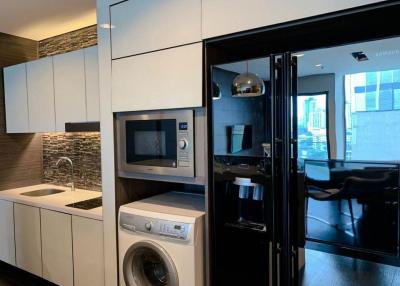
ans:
(312, 126)
(372, 115)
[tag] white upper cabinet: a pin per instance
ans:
(308, 8)
(70, 89)
(144, 26)
(222, 17)
(41, 95)
(170, 78)
(16, 99)
(92, 84)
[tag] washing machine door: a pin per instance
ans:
(148, 264)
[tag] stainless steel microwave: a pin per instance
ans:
(156, 142)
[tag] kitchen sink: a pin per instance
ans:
(42, 192)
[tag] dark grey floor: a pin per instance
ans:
(12, 276)
(321, 269)
(375, 229)
(324, 269)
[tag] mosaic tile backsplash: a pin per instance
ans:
(68, 42)
(84, 151)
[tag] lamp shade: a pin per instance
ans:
(247, 85)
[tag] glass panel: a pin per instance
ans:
(242, 191)
(366, 132)
(396, 99)
(349, 203)
(153, 142)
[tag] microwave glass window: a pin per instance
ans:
(151, 142)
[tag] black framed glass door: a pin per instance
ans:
(252, 160)
(241, 171)
(287, 177)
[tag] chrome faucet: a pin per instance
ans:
(72, 184)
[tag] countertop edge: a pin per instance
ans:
(14, 195)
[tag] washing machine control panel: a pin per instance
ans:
(171, 229)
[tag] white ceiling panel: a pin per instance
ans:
(41, 19)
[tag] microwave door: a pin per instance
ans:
(151, 143)
(156, 143)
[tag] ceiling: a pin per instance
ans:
(382, 54)
(41, 19)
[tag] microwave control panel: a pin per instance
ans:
(184, 143)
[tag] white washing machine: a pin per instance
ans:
(161, 241)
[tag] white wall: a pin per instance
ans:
(107, 147)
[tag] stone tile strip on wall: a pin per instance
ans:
(84, 151)
(68, 42)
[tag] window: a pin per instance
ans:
(372, 115)
(312, 126)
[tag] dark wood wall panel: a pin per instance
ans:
(20, 154)
(15, 50)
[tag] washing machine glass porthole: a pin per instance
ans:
(148, 264)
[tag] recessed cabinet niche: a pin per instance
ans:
(42, 95)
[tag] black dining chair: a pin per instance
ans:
(348, 185)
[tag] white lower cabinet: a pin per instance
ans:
(57, 258)
(7, 242)
(62, 248)
(28, 247)
(88, 251)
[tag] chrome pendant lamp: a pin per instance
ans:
(247, 84)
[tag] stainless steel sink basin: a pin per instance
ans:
(42, 192)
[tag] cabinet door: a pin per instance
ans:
(41, 95)
(165, 79)
(88, 251)
(16, 99)
(308, 8)
(27, 239)
(7, 242)
(92, 84)
(144, 26)
(57, 247)
(69, 87)
(222, 17)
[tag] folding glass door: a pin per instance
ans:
(348, 114)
